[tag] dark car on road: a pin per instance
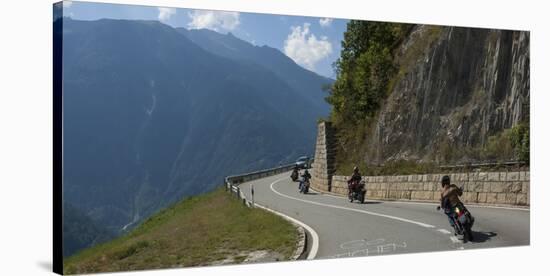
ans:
(303, 162)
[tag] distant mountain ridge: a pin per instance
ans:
(303, 81)
(151, 117)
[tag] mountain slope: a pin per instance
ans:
(213, 228)
(448, 95)
(150, 118)
(303, 81)
(79, 231)
(462, 93)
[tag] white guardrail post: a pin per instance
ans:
(252, 193)
(232, 182)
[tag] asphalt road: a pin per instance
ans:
(347, 229)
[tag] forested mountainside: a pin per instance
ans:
(79, 231)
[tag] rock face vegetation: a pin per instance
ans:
(419, 94)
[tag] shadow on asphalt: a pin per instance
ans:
(480, 237)
(372, 202)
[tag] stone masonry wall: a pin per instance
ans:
(323, 165)
(494, 188)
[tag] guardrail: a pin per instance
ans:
(232, 182)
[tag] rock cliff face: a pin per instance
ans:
(456, 87)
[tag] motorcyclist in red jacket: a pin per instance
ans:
(354, 180)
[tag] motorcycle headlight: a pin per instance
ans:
(457, 210)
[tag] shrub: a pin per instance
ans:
(519, 137)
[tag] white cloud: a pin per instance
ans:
(166, 13)
(214, 20)
(325, 22)
(305, 48)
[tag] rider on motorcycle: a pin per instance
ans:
(295, 172)
(305, 178)
(449, 198)
(354, 179)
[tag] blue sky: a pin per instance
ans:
(312, 42)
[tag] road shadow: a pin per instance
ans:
(479, 237)
(364, 203)
(312, 193)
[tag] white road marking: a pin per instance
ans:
(360, 243)
(314, 235)
(444, 231)
(455, 239)
(349, 209)
(335, 196)
(430, 203)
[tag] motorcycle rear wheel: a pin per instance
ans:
(468, 233)
(361, 198)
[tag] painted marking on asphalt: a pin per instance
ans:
(334, 196)
(456, 240)
(444, 231)
(349, 209)
(367, 248)
(314, 236)
(360, 243)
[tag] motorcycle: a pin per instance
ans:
(304, 186)
(294, 175)
(356, 191)
(462, 221)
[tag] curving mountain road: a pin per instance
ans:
(347, 229)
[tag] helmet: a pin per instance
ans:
(355, 169)
(445, 180)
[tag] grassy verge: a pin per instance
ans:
(197, 231)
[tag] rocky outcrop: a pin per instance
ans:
(455, 87)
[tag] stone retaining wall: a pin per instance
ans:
(323, 164)
(497, 188)
(494, 188)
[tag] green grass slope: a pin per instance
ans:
(212, 228)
